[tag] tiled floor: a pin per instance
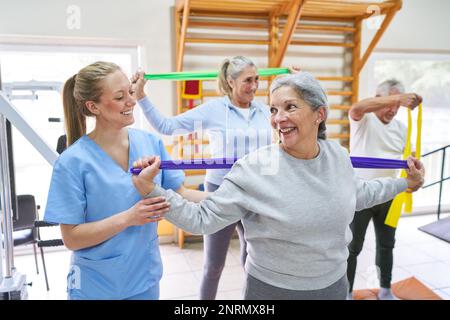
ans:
(416, 254)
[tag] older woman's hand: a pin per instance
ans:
(147, 210)
(294, 69)
(138, 83)
(150, 169)
(416, 173)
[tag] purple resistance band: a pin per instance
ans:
(226, 163)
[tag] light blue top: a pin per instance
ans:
(88, 185)
(230, 133)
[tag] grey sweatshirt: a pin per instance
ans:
(296, 213)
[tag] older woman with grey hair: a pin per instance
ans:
(296, 218)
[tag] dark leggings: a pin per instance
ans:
(215, 247)
(385, 241)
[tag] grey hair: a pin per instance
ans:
(309, 90)
(385, 88)
(232, 68)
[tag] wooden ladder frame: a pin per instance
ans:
(283, 20)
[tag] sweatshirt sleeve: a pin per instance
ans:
(373, 192)
(225, 206)
(187, 121)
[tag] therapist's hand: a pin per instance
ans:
(137, 84)
(150, 169)
(147, 210)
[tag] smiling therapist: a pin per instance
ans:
(111, 230)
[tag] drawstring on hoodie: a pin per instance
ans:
(226, 125)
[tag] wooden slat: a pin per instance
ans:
(229, 15)
(192, 186)
(198, 156)
(234, 24)
(307, 17)
(342, 122)
(177, 17)
(227, 41)
(182, 38)
(190, 173)
(213, 93)
(274, 40)
(322, 43)
(339, 107)
(194, 142)
(339, 29)
(344, 79)
(291, 24)
(338, 136)
(227, 24)
(339, 93)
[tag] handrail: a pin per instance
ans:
(434, 151)
(441, 181)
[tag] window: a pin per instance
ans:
(55, 64)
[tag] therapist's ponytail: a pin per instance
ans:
(84, 86)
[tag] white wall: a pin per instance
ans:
(138, 22)
(419, 26)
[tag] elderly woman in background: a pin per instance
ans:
(296, 218)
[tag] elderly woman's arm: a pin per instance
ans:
(376, 191)
(225, 206)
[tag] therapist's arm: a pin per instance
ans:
(81, 236)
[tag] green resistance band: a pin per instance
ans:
(191, 75)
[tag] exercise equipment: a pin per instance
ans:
(194, 75)
(404, 201)
(226, 163)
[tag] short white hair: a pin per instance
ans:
(386, 87)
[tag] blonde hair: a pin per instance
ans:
(84, 86)
(232, 68)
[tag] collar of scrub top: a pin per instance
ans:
(226, 163)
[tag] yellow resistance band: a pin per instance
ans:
(404, 200)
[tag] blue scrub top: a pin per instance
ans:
(88, 185)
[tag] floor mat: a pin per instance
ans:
(407, 289)
(440, 229)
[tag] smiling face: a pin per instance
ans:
(294, 120)
(116, 104)
(244, 87)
